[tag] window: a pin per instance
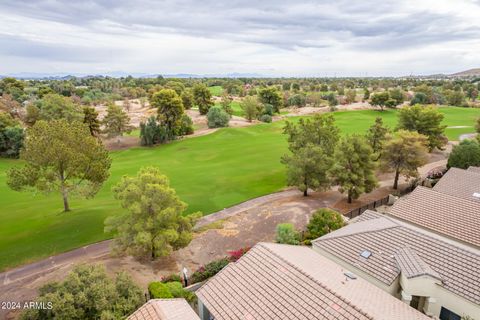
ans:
(366, 254)
(446, 314)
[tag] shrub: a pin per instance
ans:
(268, 109)
(209, 270)
(217, 118)
(322, 222)
(172, 278)
(464, 155)
(169, 290)
(88, 293)
(159, 290)
(265, 118)
(186, 125)
(237, 254)
(287, 234)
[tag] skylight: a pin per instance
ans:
(366, 254)
(476, 195)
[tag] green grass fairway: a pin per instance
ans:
(237, 110)
(209, 173)
(216, 90)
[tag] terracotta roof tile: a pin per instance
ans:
(462, 276)
(445, 214)
(411, 265)
(460, 183)
(165, 309)
(274, 281)
(474, 169)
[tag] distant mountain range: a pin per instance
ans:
(471, 73)
(120, 74)
(467, 73)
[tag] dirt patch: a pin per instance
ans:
(137, 112)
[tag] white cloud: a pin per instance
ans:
(283, 38)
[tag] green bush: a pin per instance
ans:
(287, 234)
(217, 118)
(186, 125)
(322, 222)
(159, 290)
(209, 270)
(265, 118)
(168, 290)
(464, 155)
(172, 278)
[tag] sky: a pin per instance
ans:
(264, 37)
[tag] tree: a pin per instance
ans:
(251, 107)
(151, 132)
(477, 129)
(350, 95)
(404, 154)
(426, 121)
(61, 156)
(202, 98)
(397, 96)
(186, 125)
(464, 155)
(226, 103)
(217, 118)
(155, 223)
(320, 130)
(454, 98)
(311, 143)
(380, 99)
(126, 104)
(286, 234)
(332, 101)
(297, 100)
(54, 106)
(307, 168)
(271, 96)
(170, 110)
(116, 122)
(88, 293)
(187, 99)
(419, 98)
(354, 168)
(90, 118)
(322, 222)
(377, 135)
(366, 94)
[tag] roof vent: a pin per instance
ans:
(366, 254)
(476, 195)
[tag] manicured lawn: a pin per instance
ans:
(237, 110)
(216, 90)
(209, 173)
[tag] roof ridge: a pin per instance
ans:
(347, 301)
(442, 194)
(422, 264)
(323, 238)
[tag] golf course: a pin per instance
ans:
(209, 172)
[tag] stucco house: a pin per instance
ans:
(276, 281)
(432, 273)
